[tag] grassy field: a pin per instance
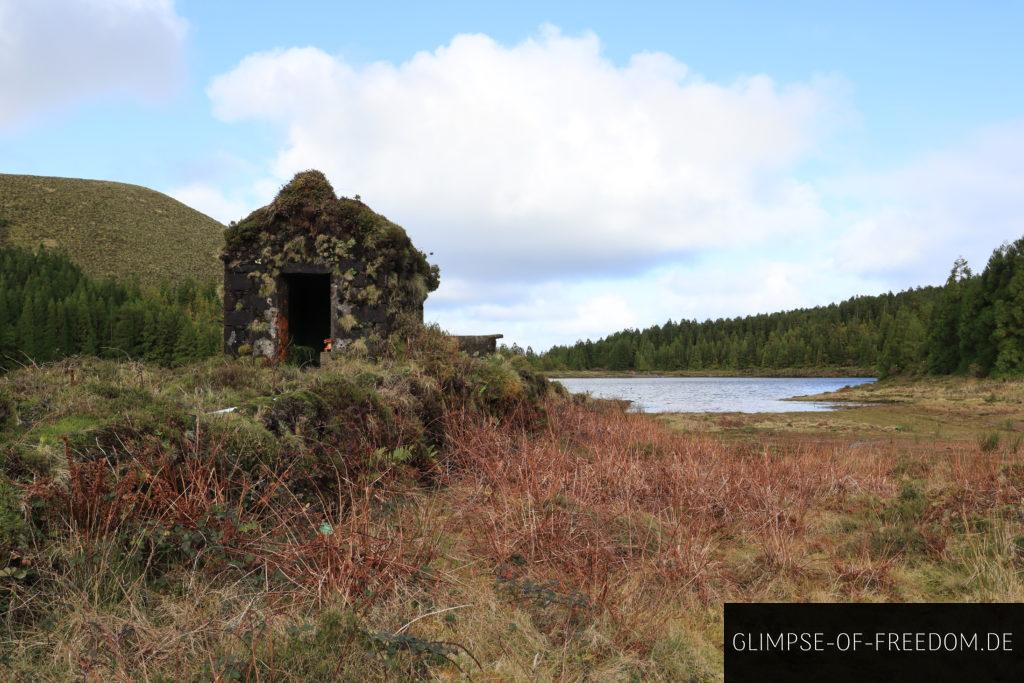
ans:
(924, 410)
(155, 238)
(435, 517)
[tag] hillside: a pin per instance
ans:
(111, 229)
(971, 325)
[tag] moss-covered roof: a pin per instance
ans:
(308, 222)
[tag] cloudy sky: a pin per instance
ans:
(575, 168)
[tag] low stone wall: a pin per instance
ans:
(478, 344)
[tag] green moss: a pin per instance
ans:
(162, 424)
(303, 356)
(337, 647)
(306, 223)
(294, 412)
(66, 427)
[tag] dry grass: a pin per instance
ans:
(598, 491)
(633, 527)
(551, 541)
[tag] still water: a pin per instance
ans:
(713, 394)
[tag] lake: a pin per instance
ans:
(713, 394)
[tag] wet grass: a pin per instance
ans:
(930, 409)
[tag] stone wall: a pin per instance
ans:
(379, 280)
(478, 344)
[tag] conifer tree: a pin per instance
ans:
(49, 309)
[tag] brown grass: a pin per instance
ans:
(559, 542)
(597, 493)
(648, 524)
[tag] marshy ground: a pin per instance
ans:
(440, 517)
(923, 410)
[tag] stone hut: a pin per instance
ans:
(313, 271)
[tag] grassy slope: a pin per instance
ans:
(112, 229)
(588, 544)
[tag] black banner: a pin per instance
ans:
(874, 642)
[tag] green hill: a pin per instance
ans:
(111, 229)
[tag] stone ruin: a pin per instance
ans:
(320, 272)
(478, 344)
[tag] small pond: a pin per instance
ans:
(713, 394)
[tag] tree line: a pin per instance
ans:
(973, 324)
(977, 325)
(49, 309)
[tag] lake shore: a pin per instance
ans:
(784, 373)
(939, 408)
(657, 394)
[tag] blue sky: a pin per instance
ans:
(575, 167)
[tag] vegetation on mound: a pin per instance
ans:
(112, 230)
(433, 513)
(120, 479)
(373, 262)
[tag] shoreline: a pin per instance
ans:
(920, 409)
(794, 373)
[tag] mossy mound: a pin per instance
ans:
(242, 417)
(307, 222)
(378, 279)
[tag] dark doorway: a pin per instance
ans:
(309, 309)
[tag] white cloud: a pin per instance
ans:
(541, 315)
(54, 52)
(725, 285)
(566, 196)
(211, 201)
(544, 158)
(913, 221)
